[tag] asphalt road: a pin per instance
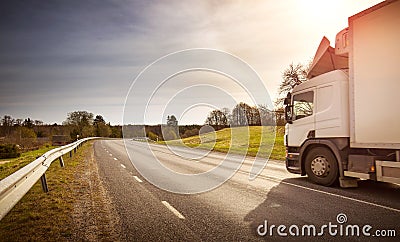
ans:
(238, 209)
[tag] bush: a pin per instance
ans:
(9, 151)
(27, 133)
(152, 136)
(190, 133)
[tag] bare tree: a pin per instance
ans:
(255, 116)
(267, 116)
(7, 122)
(280, 117)
(28, 123)
(171, 130)
(172, 121)
(228, 115)
(38, 122)
(291, 77)
(217, 117)
(19, 121)
(241, 114)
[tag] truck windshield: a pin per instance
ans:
(303, 105)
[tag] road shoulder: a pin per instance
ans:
(94, 216)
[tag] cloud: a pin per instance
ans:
(67, 55)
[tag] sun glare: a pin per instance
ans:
(330, 16)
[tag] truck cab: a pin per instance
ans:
(339, 124)
(319, 109)
(316, 111)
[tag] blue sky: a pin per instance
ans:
(62, 56)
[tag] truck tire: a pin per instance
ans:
(321, 166)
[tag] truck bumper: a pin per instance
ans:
(292, 163)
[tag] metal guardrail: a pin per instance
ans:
(16, 185)
(141, 138)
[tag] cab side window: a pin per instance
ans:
(303, 105)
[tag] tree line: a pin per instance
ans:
(77, 124)
(245, 115)
(84, 124)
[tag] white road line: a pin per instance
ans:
(115, 158)
(280, 180)
(172, 209)
(137, 179)
(110, 154)
(123, 166)
(344, 197)
(277, 180)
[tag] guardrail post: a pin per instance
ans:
(44, 183)
(75, 150)
(10, 193)
(61, 161)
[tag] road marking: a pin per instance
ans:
(137, 179)
(123, 166)
(277, 180)
(280, 180)
(110, 154)
(344, 197)
(115, 158)
(172, 209)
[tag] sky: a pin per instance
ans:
(63, 56)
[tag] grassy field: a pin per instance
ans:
(40, 216)
(251, 141)
(9, 166)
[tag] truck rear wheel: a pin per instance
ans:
(321, 166)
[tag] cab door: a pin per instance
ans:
(303, 117)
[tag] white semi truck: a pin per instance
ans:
(343, 124)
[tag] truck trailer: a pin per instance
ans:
(343, 123)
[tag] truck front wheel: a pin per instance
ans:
(321, 166)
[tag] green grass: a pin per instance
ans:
(40, 216)
(252, 141)
(9, 166)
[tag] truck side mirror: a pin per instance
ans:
(288, 114)
(288, 99)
